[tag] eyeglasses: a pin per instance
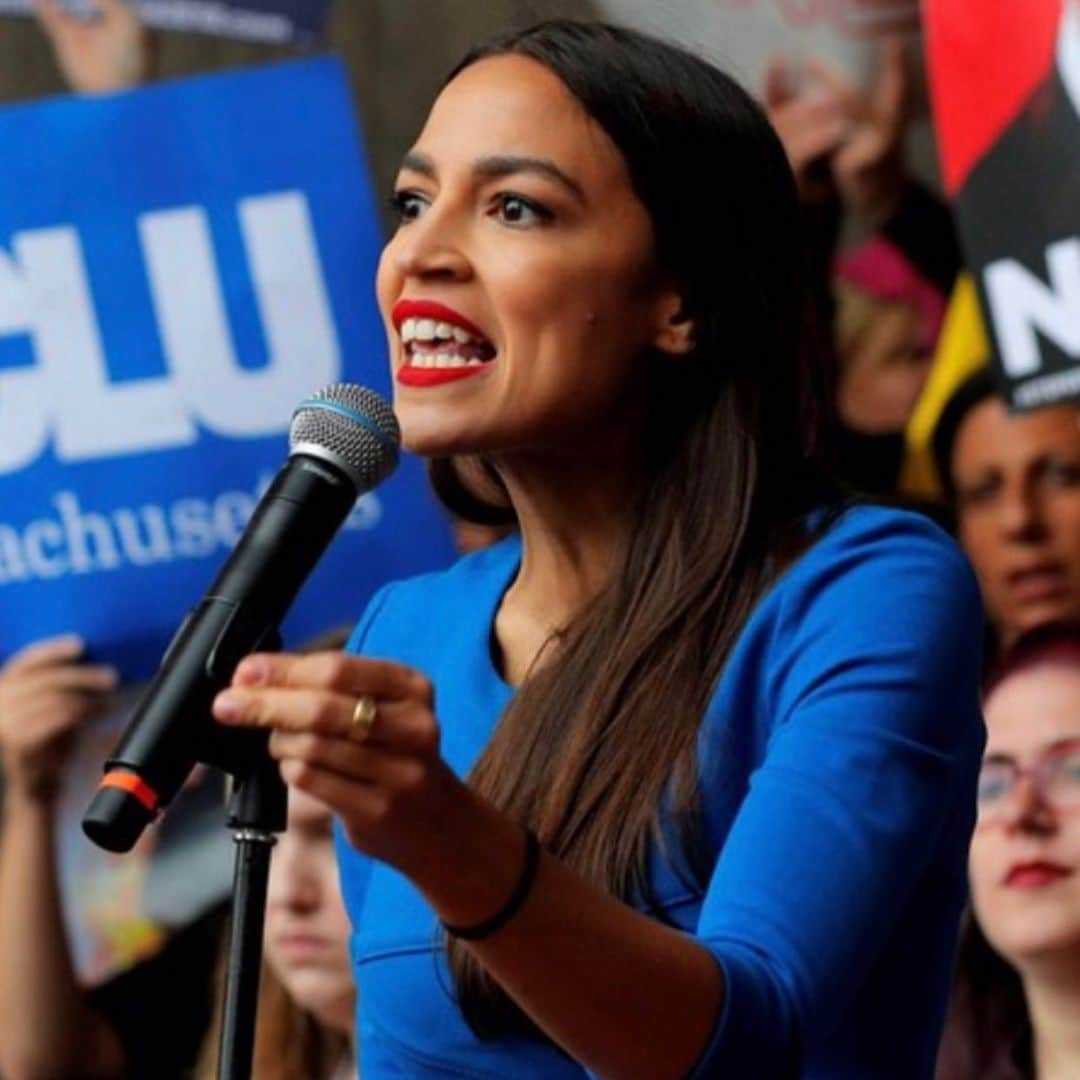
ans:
(1055, 776)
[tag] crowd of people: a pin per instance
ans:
(1010, 492)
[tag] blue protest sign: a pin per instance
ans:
(273, 21)
(179, 267)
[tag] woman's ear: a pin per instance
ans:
(675, 330)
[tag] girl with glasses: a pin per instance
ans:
(1016, 1013)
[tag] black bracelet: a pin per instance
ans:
(510, 908)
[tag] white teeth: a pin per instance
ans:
(443, 360)
(433, 330)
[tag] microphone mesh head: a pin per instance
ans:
(351, 426)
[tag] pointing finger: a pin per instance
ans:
(401, 726)
(337, 671)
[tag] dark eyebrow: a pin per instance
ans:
(507, 164)
(414, 161)
(999, 759)
(500, 165)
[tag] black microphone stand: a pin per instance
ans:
(256, 812)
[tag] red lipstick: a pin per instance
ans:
(413, 373)
(408, 375)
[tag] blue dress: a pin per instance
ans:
(838, 759)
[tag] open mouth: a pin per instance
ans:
(439, 345)
(431, 344)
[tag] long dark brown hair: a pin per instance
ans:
(988, 1031)
(597, 740)
(290, 1042)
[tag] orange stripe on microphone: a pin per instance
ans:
(133, 785)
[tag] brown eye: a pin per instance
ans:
(521, 212)
(1062, 473)
(979, 494)
(407, 205)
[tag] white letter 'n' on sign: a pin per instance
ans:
(1020, 304)
(292, 302)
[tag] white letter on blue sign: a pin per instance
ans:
(68, 391)
(303, 345)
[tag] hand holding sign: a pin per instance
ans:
(868, 165)
(46, 691)
(840, 139)
(111, 52)
(810, 125)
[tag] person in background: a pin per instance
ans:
(45, 693)
(888, 318)
(306, 991)
(48, 694)
(1015, 1010)
(1014, 479)
(845, 145)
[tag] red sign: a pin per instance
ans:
(1005, 87)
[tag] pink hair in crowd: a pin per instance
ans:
(1055, 643)
(880, 269)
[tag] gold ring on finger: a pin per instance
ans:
(364, 714)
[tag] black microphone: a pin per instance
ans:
(343, 441)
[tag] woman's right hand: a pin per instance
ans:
(46, 691)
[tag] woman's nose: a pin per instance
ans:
(1029, 810)
(1021, 515)
(291, 885)
(432, 246)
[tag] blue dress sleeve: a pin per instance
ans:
(870, 691)
(358, 638)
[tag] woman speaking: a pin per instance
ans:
(679, 779)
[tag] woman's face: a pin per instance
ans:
(307, 930)
(882, 379)
(518, 292)
(1017, 480)
(1025, 854)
